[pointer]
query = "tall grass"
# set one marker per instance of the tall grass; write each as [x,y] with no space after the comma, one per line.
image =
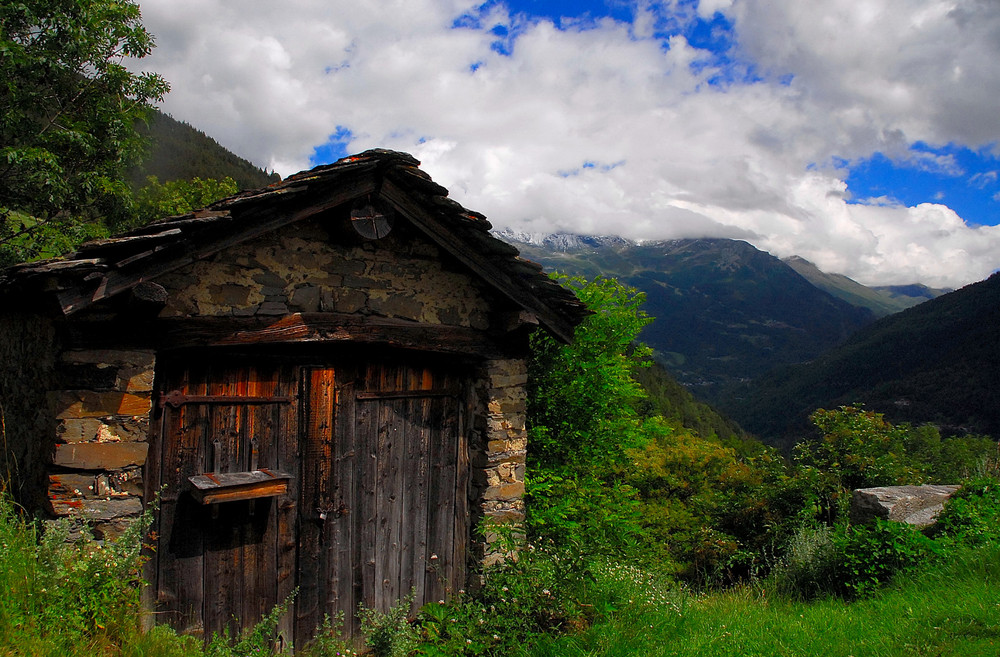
[66,598]
[952,609]
[74,599]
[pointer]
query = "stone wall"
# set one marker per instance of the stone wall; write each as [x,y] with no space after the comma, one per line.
[305,268]
[498,444]
[27,360]
[88,422]
[101,405]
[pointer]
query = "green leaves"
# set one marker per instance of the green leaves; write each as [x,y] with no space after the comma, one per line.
[156,200]
[582,398]
[67,132]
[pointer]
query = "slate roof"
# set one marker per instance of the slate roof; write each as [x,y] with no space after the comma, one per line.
[104,268]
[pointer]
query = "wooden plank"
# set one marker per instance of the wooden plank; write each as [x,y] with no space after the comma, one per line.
[257,490]
[349,519]
[368,438]
[320,328]
[462,530]
[449,488]
[397,549]
[258,593]
[383,507]
[418,453]
[432,578]
[442,501]
[180,585]
[211,488]
[223,556]
[318,431]
[283,424]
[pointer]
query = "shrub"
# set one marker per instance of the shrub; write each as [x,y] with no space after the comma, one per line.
[868,557]
[63,597]
[390,634]
[534,590]
[972,515]
[809,565]
[257,640]
[850,561]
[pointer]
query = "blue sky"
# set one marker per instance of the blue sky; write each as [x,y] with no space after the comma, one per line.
[961,178]
[859,135]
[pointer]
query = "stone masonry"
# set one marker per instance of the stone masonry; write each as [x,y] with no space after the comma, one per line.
[302,269]
[101,410]
[499,447]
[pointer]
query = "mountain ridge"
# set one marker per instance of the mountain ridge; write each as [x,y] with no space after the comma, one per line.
[725,311]
[933,363]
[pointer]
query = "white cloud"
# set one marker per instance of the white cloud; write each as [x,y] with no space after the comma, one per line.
[673,155]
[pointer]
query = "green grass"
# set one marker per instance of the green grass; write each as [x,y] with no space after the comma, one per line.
[950,610]
[82,599]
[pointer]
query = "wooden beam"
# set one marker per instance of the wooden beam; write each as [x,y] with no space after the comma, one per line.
[307,328]
[443,236]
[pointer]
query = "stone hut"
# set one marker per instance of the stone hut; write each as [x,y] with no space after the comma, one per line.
[323,381]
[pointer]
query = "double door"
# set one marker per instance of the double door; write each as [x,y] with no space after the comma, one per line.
[375,506]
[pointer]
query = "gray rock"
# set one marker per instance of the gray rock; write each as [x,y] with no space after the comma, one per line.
[914,505]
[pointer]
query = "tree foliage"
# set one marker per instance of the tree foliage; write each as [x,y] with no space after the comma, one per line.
[70,107]
[582,398]
[583,420]
[608,474]
[157,200]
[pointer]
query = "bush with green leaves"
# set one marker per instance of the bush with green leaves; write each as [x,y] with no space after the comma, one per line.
[75,596]
[972,515]
[389,633]
[583,420]
[850,561]
[531,591]
[258,639]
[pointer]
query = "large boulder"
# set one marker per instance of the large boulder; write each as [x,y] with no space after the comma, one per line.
[914,505]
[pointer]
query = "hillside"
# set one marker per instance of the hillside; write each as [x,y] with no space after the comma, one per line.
[179,151]
[680,408]
[881,300]
[725,311]
[936,362]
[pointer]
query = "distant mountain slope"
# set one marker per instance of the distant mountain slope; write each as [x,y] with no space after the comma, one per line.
[181,152]
[937,362]
[882,301]
[671,400]
[725,312]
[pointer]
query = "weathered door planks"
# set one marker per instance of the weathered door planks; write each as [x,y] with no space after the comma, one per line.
[376,506]
[224,561]
[395,528]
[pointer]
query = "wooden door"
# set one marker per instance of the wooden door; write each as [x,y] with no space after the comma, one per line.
[233,560]
[385,489]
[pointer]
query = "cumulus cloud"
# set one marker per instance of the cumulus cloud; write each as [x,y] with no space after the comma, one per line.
[613,128]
